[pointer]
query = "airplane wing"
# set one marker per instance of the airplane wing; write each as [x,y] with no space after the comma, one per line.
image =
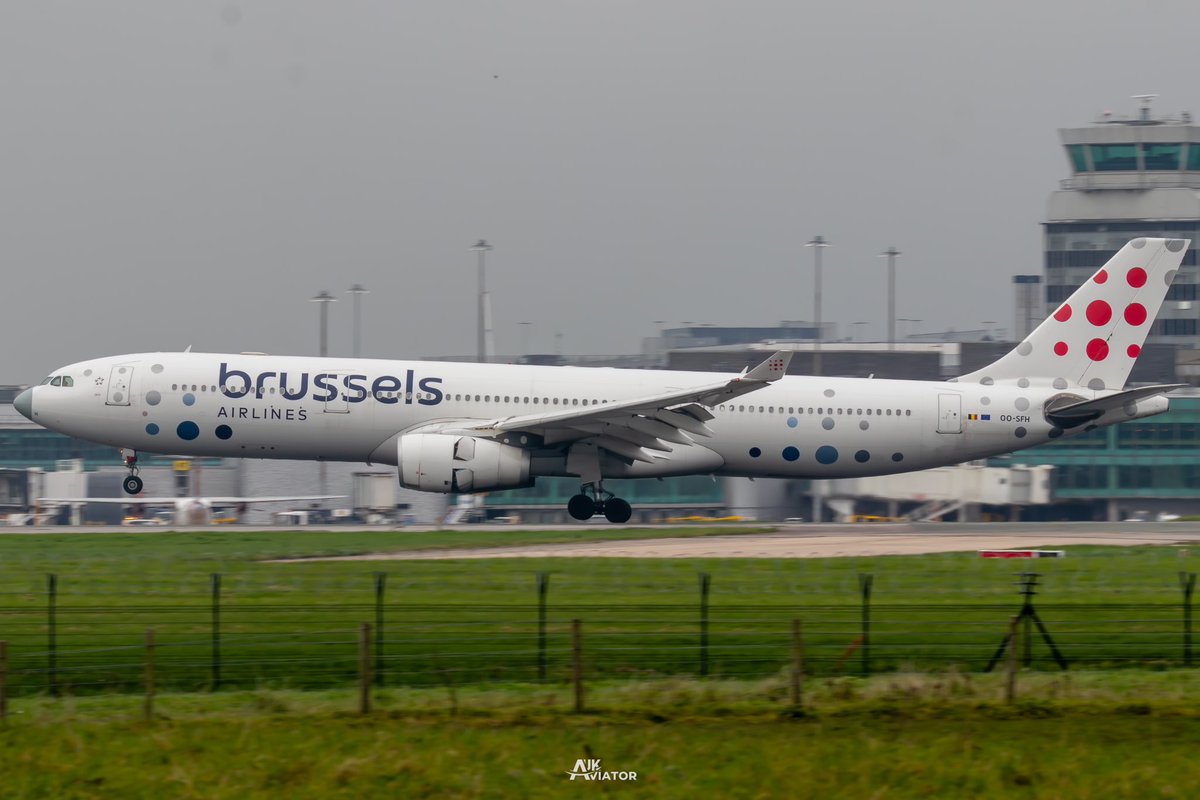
[215,501]
[642,429]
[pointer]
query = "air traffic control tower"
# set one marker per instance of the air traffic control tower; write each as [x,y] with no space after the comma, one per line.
[1130,177]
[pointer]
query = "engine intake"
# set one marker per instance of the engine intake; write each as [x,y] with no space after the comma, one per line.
[442,462]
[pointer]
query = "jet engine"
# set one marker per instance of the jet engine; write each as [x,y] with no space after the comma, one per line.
[442,462]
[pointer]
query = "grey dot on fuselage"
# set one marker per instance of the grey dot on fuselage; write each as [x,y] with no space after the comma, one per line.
[1095,384]
[1022,403]
[1023,383]
[1024,349]
[827,423]
[986,381]
[1060,383]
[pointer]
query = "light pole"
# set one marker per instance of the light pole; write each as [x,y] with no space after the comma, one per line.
[818,244]
[324,298]
[890,254]
[484,331]
[358,290]
[524,337]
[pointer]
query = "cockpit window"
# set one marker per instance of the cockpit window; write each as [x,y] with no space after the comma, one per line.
[57,381]
[68,380]
[45,380]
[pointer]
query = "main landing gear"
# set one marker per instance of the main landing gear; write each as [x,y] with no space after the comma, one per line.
[132,484]
[582,506]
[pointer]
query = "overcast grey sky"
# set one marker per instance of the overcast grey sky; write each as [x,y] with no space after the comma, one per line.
[190,173]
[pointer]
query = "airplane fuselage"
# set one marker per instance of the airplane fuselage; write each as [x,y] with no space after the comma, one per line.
[341,409]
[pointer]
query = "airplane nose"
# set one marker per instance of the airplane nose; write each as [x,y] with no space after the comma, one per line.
[24,404]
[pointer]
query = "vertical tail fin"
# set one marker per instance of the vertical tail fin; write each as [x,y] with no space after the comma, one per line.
[1092,340]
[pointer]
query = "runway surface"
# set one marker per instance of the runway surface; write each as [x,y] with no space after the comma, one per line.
[829,541]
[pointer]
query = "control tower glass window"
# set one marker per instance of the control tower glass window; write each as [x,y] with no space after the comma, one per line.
[1193,162]
[1114,157]
[1162,156]
[1078,157]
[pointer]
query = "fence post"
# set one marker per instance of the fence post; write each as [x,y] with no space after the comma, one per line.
[577,663]
[52,631]
[1187,582]
[543,586]
[3,680]
[864,584]
[705,581]
[797,667]
[148,706]
[364,669]
[1010,679]
[380,583]
[215,593]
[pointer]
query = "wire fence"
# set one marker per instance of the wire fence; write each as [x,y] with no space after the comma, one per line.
[218,640]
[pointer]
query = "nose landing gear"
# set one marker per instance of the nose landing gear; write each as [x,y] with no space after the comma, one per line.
[132,484]
[583,507]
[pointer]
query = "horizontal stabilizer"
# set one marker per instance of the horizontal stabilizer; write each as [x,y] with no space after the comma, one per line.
[1074,414]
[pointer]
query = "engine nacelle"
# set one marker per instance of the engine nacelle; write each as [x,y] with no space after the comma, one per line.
[443,462]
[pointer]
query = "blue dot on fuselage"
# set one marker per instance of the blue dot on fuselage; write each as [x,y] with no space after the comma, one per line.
[827,454]
[188,430]
[189,399]
[152,429]
[793,422]
[755,452]
[862,456]
[790,454]
[224,431]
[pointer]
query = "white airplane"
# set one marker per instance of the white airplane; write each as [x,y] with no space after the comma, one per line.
[458,427]
[184,510]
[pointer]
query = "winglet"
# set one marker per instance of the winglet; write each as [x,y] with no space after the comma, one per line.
[772,369]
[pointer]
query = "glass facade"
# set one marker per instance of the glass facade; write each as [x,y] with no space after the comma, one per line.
[1157,457]
[1162,156]
[1114,157]
[1130,157]
[22,447]
[1078,157]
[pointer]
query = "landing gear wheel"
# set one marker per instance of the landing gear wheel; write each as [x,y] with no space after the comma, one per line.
[617,510]
[581,507]
[132,485]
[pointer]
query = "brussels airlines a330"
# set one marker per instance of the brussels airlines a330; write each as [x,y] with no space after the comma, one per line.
[457,427]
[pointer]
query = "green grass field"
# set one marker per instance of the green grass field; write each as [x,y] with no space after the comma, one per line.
[462,714]
[1091,735]
[475,621]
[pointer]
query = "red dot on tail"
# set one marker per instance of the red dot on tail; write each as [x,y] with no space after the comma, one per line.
[1064,313]
[1097,349]
[1135,313]
[1060,349]
[1099,312]
[1134,351]
[1101,276]
[1136,277]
